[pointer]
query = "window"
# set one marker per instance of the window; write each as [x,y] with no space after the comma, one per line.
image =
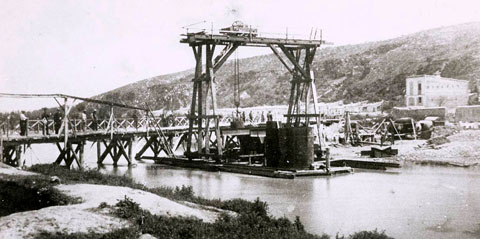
[411,88]
[419,88]
[419,100]
[411,101]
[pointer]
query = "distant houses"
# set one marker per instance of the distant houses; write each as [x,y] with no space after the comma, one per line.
[432,95]
[436,91]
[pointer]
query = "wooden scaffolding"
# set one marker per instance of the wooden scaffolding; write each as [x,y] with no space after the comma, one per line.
[297,57]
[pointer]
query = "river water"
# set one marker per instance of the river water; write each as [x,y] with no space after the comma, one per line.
[412,202]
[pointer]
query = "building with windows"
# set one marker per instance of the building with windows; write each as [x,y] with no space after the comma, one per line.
[436,91]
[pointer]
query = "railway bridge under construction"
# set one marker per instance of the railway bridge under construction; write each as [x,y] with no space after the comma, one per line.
[208,136]
[114,137]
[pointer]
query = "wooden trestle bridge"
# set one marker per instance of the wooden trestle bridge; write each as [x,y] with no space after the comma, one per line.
[204,132]
[114,137]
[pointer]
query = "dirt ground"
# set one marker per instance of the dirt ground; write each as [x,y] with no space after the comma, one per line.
[461,149]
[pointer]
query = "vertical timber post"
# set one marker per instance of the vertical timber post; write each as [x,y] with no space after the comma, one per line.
[208,61]
[65,123]
[81,154]
[112,119]
[18,155]
[200,109]
[197,82]
[212,90]
[1,149]
[130,153]
[99,152]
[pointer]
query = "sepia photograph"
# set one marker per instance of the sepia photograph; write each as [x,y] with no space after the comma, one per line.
[307,119]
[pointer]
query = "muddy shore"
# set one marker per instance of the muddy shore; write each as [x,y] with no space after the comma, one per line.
[459,149]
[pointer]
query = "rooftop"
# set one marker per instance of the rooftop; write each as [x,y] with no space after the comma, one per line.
[434,76]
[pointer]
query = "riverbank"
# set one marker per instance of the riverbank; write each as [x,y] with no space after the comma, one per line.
[92,213]
[116,207]
[451,147]
[457,148]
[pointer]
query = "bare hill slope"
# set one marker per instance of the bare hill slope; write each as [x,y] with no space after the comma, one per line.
[370,71]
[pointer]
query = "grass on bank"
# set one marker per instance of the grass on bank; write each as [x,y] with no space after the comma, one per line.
[19,193]
[183,193]
[252,221]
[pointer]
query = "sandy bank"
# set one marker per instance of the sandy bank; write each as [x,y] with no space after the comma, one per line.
[462,150]
[86,216]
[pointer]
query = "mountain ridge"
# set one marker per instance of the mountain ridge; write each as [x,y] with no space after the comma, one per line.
[370,71]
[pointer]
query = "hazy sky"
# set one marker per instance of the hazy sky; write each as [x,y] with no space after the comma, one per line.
[86,47]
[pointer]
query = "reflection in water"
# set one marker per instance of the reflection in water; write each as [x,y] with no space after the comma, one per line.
[412,202]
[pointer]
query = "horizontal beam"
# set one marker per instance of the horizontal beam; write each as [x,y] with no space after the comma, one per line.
[203,116]
[302,115]
[104,102]
[202,38]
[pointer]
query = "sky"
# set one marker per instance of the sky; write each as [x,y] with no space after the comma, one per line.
[87,47]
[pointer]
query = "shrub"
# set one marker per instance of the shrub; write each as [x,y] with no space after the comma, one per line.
[127,208]
[24,193]
[366,235]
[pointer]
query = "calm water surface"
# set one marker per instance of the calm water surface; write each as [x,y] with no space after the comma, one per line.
[412,202]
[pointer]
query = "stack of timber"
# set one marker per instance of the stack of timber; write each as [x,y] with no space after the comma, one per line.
[378,152]
[366,163]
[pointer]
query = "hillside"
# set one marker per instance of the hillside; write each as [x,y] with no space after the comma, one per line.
[371,71]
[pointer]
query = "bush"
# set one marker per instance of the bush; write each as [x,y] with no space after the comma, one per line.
[84,176]
[126,233]
[366,235]
[24,193]
[127,208]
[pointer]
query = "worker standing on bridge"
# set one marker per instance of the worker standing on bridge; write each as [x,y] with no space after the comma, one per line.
[45,117]
[269,116]
[84,120]
[135,120]
[57,120]
[23,124]
[392,131]
[94,120]
[8,124]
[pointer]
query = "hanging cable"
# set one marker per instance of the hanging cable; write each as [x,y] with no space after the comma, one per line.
[236,86]
[163,138]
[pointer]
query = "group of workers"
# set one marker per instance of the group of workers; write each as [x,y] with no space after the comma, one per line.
[46,119]
[252,116]
[57,121]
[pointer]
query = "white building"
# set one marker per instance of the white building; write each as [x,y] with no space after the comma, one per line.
[436,91]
